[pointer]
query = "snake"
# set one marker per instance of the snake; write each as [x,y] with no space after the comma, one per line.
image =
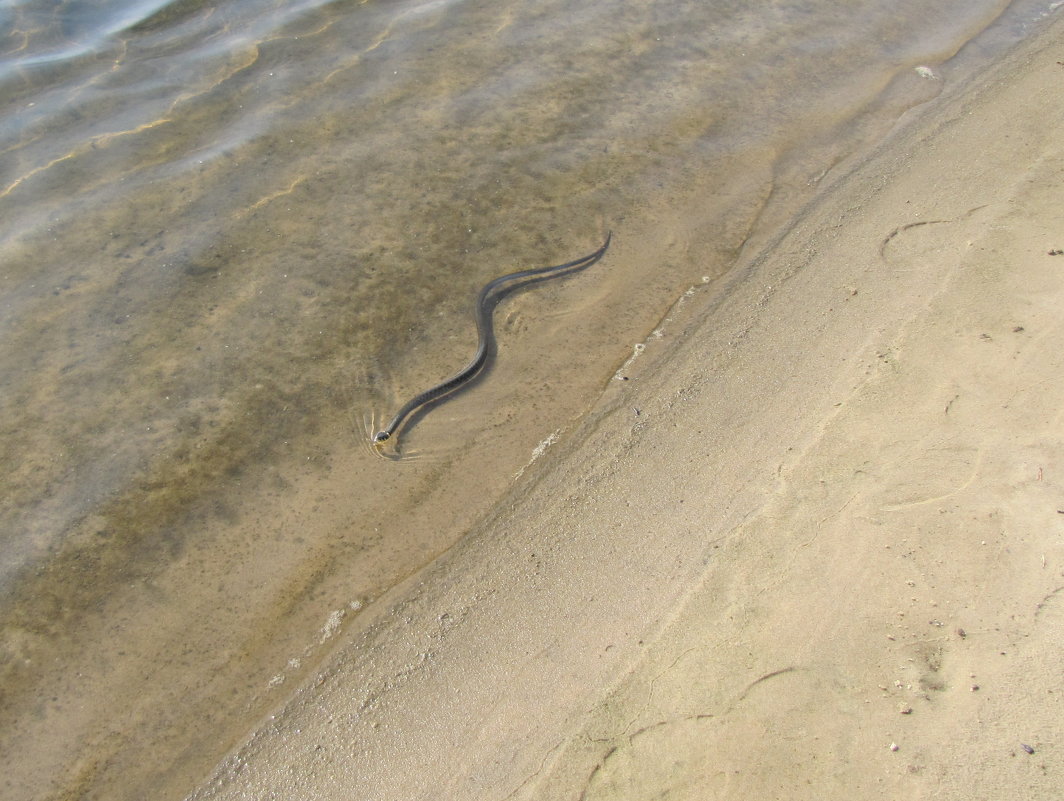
[482,314]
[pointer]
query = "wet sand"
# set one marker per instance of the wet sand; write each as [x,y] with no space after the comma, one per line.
[811,547]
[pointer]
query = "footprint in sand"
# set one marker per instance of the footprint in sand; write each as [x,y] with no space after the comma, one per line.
[908,244]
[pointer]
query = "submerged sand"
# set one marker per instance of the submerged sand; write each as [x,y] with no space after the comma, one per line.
[812,547]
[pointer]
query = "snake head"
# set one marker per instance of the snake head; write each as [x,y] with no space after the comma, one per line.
[381,436]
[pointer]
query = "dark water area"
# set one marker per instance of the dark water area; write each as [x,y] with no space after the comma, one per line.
[235,236]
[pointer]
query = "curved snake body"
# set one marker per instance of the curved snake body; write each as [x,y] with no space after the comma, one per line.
[482,315]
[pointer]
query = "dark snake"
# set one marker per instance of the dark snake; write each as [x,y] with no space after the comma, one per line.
[482,315]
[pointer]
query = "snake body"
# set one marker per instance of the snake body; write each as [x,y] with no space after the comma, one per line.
[482,313]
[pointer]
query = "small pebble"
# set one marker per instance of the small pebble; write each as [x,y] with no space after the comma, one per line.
[1027,748]
[893,746]
[906,710]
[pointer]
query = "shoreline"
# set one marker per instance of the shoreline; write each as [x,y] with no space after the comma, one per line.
[202,341]
[830,564]
[794,564]
[825,578]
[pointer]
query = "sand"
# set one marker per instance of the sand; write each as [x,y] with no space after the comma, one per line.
[812,547]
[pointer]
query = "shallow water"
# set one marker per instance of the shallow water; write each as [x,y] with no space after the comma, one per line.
[233,236]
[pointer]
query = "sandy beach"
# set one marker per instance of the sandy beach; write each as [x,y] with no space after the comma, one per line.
[810,544]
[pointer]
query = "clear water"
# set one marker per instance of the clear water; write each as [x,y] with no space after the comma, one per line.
[233,235]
